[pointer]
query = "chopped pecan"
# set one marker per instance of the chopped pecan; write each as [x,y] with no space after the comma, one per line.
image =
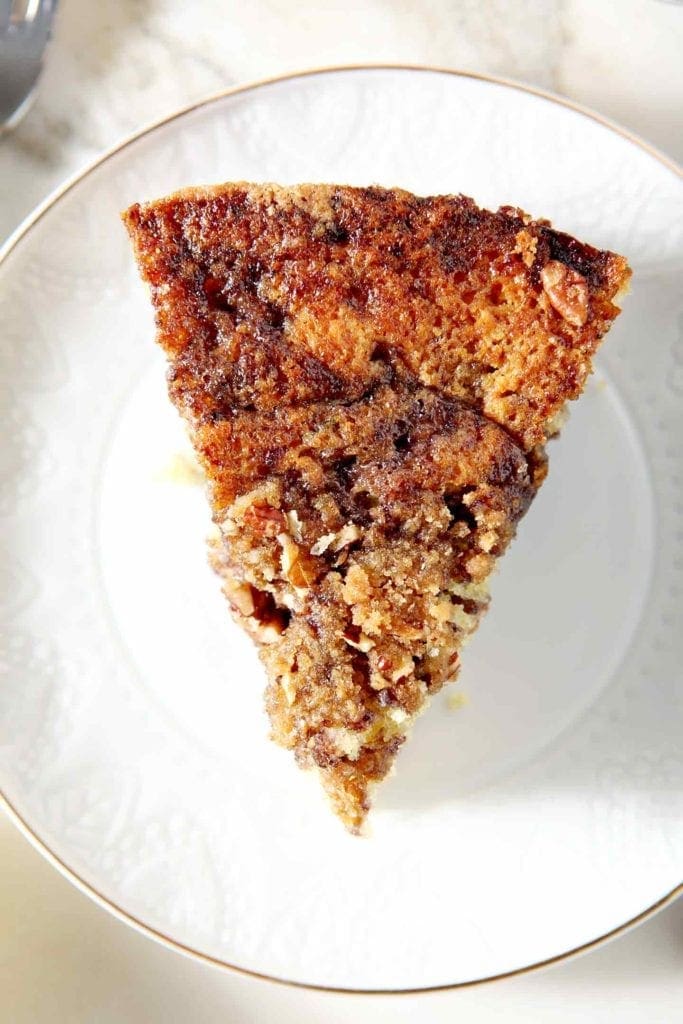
[296,566]
[300,575]
[347,535]
[392,670]
[567,291]
[267,632]
[294,524]
[240,596]
[355,638]
[265,520]
[323,543]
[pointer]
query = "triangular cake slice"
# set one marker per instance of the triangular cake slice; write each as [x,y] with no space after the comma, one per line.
[369,379]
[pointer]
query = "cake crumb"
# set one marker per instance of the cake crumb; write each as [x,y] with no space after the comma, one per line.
[456,700]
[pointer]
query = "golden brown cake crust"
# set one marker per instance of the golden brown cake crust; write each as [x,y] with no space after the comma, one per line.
[369,378]
[311,279]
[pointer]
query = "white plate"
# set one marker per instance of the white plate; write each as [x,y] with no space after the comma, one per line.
[538,817]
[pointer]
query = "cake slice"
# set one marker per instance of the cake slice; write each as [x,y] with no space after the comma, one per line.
[369,379]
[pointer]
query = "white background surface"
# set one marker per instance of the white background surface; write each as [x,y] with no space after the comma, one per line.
[116,65]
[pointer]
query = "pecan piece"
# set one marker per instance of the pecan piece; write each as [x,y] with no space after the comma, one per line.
[296,566]
[567,291]
[240,596]
[266,632]
[265,520]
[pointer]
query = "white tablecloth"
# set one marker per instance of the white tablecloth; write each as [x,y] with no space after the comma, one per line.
[62,959]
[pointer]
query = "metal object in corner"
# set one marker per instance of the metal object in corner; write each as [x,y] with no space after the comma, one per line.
[24,32]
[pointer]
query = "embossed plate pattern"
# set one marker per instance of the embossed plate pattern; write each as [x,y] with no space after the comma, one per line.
[545,811]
